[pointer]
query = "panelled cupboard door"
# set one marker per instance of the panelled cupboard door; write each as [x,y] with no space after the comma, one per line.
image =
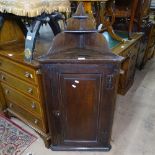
[81,104]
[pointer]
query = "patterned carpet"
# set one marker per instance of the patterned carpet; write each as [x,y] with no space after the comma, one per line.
[13,139]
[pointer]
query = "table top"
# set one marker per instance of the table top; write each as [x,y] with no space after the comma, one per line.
[112,42]
[32,8]
[118,47]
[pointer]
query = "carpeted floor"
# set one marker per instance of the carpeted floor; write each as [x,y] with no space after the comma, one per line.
[134,123]
[13,139]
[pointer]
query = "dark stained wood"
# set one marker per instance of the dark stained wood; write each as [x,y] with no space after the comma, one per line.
[80,86]
[132,18]
[138,12]
[129,67]
[125,10]
[80,104]
[143,11]
[141,53]
[150,49]
[129,50]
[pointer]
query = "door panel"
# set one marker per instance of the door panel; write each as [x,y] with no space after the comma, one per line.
[80,101]
[81,108]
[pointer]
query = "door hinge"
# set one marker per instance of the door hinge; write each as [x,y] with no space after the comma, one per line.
[109,81]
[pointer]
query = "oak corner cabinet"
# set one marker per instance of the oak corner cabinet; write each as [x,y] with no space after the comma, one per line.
[80,86]
[80,99]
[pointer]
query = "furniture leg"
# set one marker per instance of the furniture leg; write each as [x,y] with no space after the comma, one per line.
[1,21]
[108,8]
[54,23]
[31,40]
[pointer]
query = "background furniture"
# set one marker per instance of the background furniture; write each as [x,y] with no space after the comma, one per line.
[130,50]
[150,45]
[118,40]
[20,82]
[123,13]
[20,76]
[30,15]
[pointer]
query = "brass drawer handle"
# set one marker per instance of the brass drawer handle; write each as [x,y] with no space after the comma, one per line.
[36,121]
[30,90]
[7,91]
[33,105]
[28,75]
[3,77]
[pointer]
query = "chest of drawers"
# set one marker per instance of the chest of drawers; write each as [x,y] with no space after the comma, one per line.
[21,91]
[130,50]
[149,37]
[80,103]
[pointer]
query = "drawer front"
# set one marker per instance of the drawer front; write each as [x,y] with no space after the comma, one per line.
[152,42]
[129,67]
[21,100]
[153,31]
[130,50]
[20,85]
[150,52]
[18,70]
[125,53]
[33,120]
